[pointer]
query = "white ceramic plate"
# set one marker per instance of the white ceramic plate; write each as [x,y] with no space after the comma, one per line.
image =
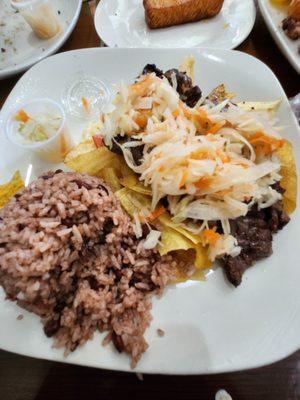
[210,326]
[121,23]
[274,17]
[20,48]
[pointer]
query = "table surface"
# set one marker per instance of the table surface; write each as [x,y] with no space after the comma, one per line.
[27,379]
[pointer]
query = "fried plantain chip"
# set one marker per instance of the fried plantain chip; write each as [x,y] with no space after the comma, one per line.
[188,66]
[289,176]
[173,237]
[178,244]
[202,260]
[219,94]
[173,241]
[109,175]
[183,272]
[269,106]
[132,201]
[86,158]
[10,188]
[166,220]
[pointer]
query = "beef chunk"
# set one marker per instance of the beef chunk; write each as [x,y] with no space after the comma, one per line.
[188,93]
[115,147]
[255,239]
[254,235]
[145,230]
[184,82]
[150,68]
[277,217]
[137,153]
[192,96]
[278,188]
[236,266]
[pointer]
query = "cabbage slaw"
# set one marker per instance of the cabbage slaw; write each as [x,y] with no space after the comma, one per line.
[212,162]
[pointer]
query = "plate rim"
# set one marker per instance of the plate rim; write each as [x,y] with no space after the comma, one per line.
[278,36]
[14,70]
[238,43]
[150,370]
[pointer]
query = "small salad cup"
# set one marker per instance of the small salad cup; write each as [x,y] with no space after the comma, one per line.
[53,149]
[39,14]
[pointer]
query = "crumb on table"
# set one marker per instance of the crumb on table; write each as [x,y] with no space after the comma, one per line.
[20,317]
[160,332]
[140,376]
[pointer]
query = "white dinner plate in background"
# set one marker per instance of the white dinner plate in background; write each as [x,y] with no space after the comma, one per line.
[274,17]
[20,48]
[209,326]
[121,23]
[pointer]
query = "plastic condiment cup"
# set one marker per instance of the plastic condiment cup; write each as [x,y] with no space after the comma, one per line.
[53,149]
[39,14]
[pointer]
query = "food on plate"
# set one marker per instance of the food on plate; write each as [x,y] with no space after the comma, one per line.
[38,127]
[40,16]
[165,184]
[68,253]
[212,171]
[164,13]
[11,188]
[291,24]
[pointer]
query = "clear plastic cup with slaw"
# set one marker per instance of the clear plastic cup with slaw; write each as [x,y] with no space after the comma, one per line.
[40,126]
[39,14]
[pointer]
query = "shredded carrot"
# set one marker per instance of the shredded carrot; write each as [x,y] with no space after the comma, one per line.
[224,158]
[214,129]
[176,112]
[187,114]
[265,144]
[202,155]
[200,120]
[98,140]
[203,183]
[22,116]
[156,213]
[203,119]
[183,178]
[141,120]
[210,237]
[161,168]
[202,113]
[141,88]
[85,104]
[222,193]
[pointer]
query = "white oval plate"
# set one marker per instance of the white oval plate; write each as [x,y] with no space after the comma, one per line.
[209,326]
[22,48]
[273,18]
[121,23]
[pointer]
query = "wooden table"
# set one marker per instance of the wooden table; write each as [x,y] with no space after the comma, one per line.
[24,378]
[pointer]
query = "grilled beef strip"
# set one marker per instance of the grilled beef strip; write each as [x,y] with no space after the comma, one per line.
[254,233]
